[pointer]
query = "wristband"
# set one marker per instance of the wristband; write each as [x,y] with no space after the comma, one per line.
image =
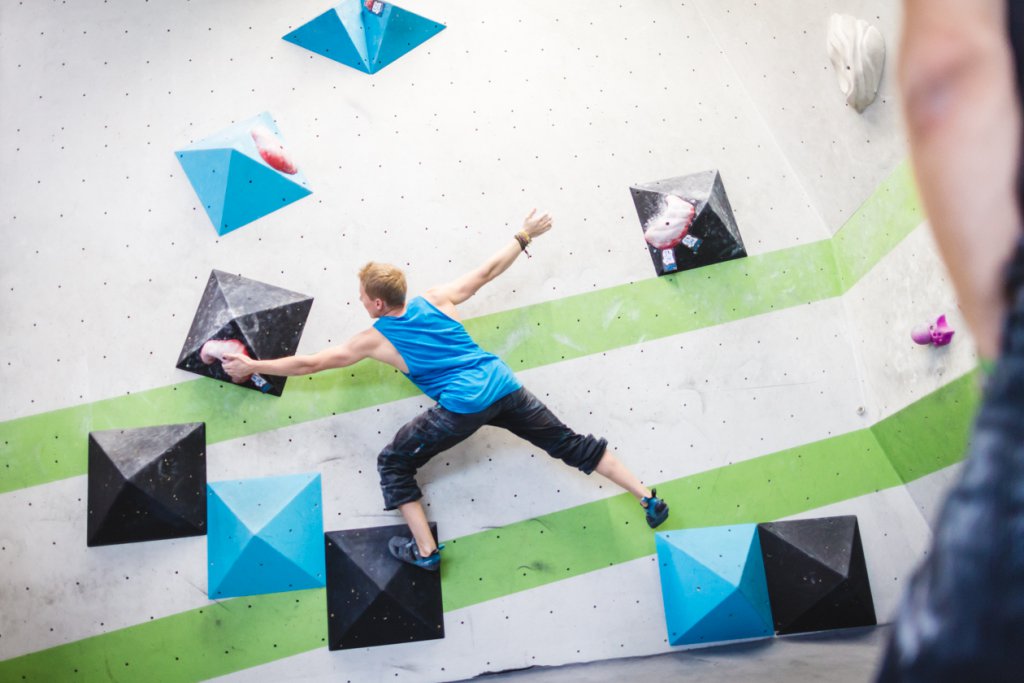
[523,239]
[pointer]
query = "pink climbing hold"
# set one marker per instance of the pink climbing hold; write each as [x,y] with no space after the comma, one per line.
[922,334]
[671,224]
[215,349]
[941,332]
[938,333]
[272,151]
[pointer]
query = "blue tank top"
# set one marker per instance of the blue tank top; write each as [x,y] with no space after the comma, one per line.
[444,361]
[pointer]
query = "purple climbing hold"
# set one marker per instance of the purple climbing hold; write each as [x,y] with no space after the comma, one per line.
[938,333]
[941,332]
[922,334]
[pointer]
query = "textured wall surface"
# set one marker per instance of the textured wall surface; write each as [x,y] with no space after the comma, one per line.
[764,388]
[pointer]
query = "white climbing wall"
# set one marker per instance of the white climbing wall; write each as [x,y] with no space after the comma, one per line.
[431,164]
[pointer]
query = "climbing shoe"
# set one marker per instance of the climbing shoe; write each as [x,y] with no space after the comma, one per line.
[406,550]
[656,509]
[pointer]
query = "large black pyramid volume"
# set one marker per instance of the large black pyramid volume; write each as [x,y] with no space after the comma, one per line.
[147,484]
[374,599]
[267,320]
[817,578]
[687,222]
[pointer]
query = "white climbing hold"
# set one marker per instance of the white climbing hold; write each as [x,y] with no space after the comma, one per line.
[857,51]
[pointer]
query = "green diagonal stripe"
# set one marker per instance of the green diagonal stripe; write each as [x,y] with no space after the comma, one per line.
[246,632]
[878,225]
[50,446]
[926,434]
[190,646]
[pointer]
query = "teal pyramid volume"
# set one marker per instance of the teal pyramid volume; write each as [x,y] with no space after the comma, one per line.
[234,182]
[264,535]
[713,584]
[353,35]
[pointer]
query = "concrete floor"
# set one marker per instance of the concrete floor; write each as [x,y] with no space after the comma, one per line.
[848,656]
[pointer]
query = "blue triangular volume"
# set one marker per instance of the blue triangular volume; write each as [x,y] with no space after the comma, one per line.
[298,532]
[257,501]
[731,619]
[403,32]
[353,35]
[207,170]
[689,589]
[722,549]
[713,584]
[754,584]
[260,568]
[239,137]
[226,537]
[265,535]
[354,17]
[374,26]
[335,34]
[253,191]
[234,182]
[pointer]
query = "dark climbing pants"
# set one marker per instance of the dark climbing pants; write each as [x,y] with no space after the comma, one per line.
[438,429]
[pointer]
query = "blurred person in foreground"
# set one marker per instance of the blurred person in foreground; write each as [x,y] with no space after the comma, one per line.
[962,618]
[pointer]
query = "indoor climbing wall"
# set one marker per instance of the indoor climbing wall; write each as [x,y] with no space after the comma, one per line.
[782,384]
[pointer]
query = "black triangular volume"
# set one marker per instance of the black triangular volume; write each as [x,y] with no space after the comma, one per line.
[164,496]
[695,188]
[105,485]
[245,296]
[847,606]
[274,333]
[414,591]
[177,480]
[803,560]
[648,203]
[361,548]
[386,622]
[827,539]
[715,226]
[372,598]
[350,591]
[130,450]
[213,316]
[275,330]
[795,581]
[718,204]
[850,604]
[267,320]
[713,236]
[135,516]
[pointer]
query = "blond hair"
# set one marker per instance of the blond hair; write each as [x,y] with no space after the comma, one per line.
[383,281]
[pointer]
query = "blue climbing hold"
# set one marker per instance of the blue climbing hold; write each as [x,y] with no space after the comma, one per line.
[264,535]
[364,36]
[242,173]
[713,584]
